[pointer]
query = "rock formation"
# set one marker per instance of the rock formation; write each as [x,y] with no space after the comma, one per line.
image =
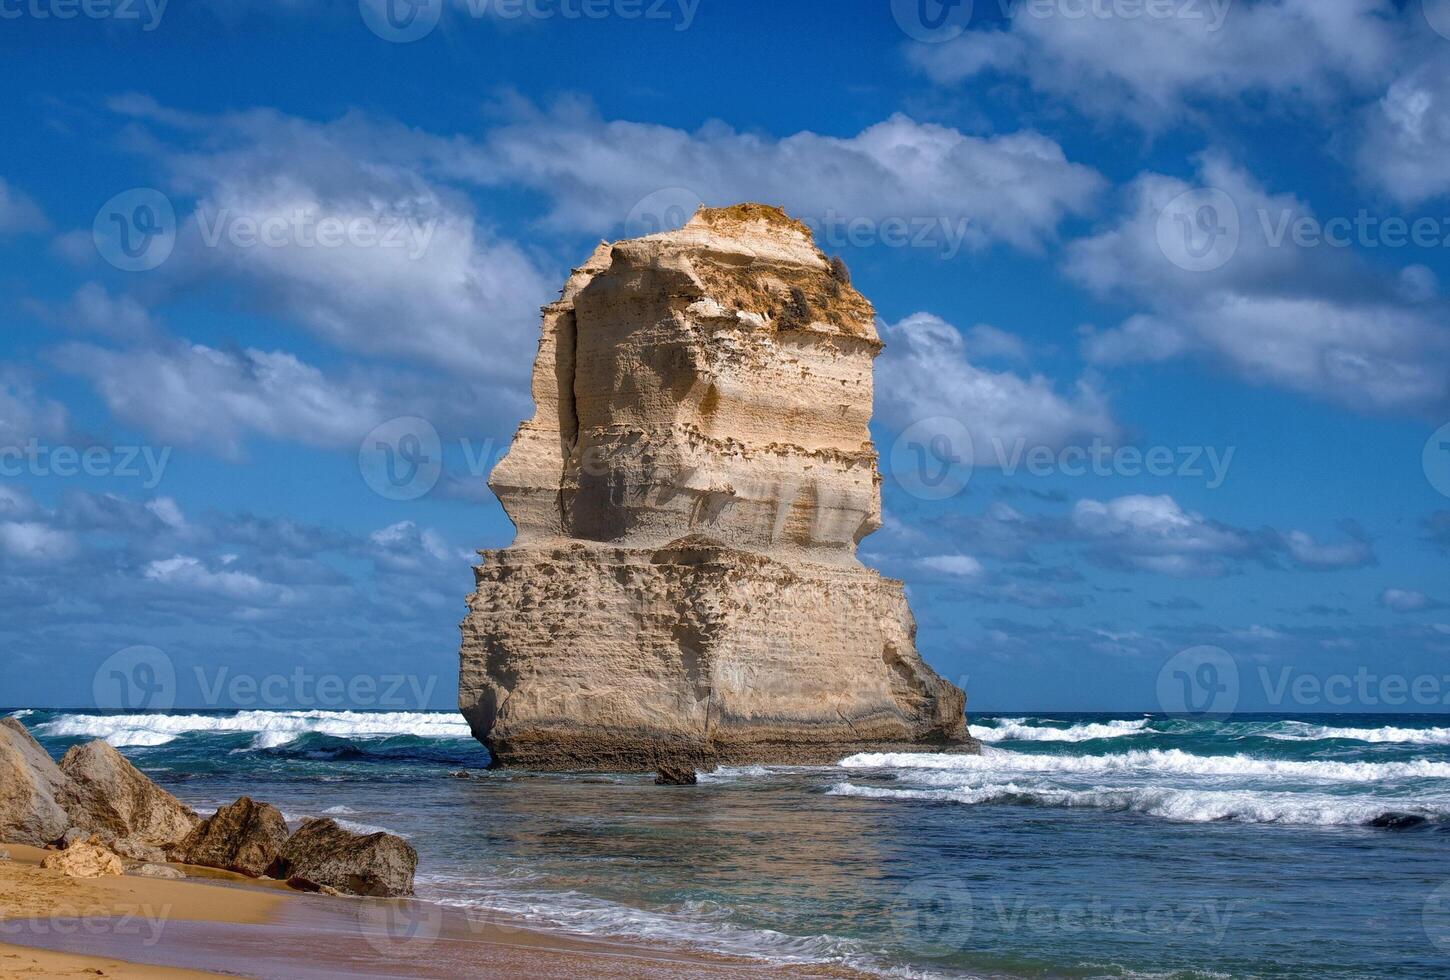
[244,837]
[115,798]
[688,497]
[322,855]
[33,790]
[89,858]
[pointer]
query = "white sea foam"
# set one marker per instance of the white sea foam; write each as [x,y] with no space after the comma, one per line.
[1148,763]
[22,713]
[1021,730]
[1183,805]
[699,925]
[271,728]
[1299,731]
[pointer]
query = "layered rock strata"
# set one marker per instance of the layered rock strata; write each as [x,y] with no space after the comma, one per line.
[684,588]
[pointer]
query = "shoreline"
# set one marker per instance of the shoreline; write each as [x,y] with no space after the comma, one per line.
[214,923]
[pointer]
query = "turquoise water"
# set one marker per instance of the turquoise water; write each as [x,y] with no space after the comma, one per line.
[1075,846]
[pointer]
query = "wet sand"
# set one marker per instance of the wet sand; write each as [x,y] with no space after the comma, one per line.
[132,927]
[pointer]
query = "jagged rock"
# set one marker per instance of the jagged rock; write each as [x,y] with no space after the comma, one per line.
[675,776]
[245,837]
[85,859]
[324,855]
[155,871]
[115,798]
[33,790]
[688,497]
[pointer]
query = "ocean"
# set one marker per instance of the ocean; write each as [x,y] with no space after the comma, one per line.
[1124,845]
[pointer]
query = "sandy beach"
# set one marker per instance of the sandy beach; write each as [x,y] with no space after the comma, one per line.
[212,923]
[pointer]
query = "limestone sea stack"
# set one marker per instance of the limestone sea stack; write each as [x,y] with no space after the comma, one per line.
[683,588]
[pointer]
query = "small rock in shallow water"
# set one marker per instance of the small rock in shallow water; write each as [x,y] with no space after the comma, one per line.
[155,871]
[460,775]
[675,776]
[245,837]
[1397,821]
[323,854]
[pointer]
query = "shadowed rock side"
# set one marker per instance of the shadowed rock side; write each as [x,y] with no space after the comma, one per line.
[683,588]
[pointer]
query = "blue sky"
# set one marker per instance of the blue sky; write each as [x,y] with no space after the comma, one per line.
[1208,235]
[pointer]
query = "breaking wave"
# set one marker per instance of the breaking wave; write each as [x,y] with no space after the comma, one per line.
[1019,730]
[1184,805]
[1149,762]
[271,729]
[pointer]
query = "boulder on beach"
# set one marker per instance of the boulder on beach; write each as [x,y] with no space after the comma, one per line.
[89,858]
[322,855]
[114,796]
[33,790]
[246,837]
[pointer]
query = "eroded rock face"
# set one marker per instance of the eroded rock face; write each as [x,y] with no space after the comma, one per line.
[321,855]
[115,798]
[33,790]
[683,588]
[245,837]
